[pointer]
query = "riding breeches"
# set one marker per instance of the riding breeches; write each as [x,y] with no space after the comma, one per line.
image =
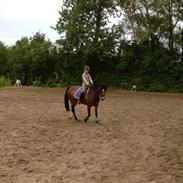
[84,87]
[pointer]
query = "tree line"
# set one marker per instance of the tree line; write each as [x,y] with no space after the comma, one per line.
[143,47]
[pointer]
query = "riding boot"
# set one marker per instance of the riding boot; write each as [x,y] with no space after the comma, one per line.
[80,98]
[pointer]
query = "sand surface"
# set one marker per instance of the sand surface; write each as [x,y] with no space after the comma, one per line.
[139,139]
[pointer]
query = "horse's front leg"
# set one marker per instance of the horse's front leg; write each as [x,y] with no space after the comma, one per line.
[89,113]
[73,111]
[96,114]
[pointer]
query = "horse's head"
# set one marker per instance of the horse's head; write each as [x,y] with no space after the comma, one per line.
[100,90]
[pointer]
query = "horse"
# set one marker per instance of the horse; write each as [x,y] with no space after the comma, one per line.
[94,94]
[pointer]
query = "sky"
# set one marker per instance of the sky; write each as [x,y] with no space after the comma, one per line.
[20,18]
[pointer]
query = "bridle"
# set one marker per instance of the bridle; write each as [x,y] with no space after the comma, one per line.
[102,95]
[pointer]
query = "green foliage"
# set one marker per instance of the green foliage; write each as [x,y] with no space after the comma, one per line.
[4,82]
[3,59]
[85,36]
[51,83]
[144,48]
[37,83]
[32,58]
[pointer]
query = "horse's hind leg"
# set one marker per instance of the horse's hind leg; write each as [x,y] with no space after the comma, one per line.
[73,111]
[89,113]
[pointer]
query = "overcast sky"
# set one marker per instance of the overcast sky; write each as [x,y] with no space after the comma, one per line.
[19,18]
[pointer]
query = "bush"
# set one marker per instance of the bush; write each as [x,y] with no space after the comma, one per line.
[51,83]
[37,83]
[4,82]
[110,79]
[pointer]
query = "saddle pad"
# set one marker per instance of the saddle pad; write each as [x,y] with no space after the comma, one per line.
[78,93]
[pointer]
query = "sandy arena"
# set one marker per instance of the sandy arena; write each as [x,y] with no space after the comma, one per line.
[139,138]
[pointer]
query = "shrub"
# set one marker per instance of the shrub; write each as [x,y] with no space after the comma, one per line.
[51,83]
[4,82]
[37,83]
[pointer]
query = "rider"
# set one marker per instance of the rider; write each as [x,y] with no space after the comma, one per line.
[87,81]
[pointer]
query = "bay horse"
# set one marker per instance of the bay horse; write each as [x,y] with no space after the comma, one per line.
[92,97]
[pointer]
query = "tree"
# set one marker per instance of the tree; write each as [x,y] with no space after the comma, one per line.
[154,20]
[85,34]
[31,59]
[172,11]
[19,60]
[3,59]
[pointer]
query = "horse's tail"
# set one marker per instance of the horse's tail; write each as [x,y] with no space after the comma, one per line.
[66,100]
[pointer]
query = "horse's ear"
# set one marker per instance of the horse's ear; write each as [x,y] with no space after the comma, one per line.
[101,86]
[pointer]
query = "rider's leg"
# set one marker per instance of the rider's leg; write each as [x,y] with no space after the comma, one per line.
[82,93]
[81,97]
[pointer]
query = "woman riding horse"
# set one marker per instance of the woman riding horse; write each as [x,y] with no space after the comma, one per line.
[87,82]
[93,95]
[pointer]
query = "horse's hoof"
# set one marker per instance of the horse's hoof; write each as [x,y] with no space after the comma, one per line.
[70,117]
[97,122]
[85,120]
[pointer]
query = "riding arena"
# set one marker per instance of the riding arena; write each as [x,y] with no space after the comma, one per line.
[138,138]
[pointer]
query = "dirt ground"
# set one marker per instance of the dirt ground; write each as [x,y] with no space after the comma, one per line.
[139,138]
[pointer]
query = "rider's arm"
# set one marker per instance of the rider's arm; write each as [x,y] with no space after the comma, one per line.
[91,81]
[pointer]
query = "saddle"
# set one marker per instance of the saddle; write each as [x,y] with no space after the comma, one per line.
[78,93]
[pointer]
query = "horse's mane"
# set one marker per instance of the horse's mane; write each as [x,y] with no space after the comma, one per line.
[95,86]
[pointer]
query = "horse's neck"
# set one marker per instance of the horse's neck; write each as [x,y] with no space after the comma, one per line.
[94,92]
